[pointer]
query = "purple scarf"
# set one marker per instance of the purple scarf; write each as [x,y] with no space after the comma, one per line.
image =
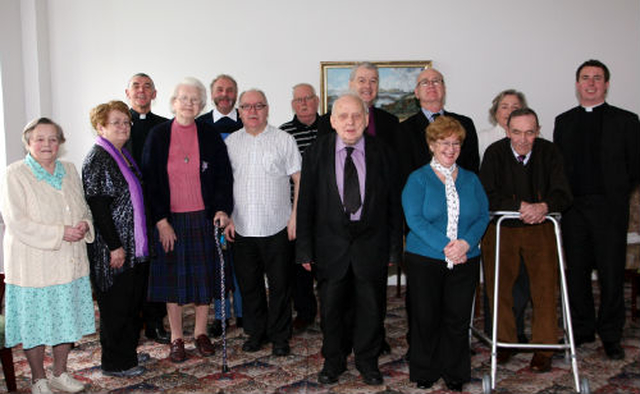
[135,190]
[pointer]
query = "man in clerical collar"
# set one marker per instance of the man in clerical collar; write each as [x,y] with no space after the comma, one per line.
[224,115]
[140,92]
[600,145]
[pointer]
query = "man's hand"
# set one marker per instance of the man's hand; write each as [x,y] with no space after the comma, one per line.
[230,231]
[221,219]
[533,213]
[307,266]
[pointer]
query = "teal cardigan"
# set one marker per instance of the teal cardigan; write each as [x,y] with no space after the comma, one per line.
[425,209]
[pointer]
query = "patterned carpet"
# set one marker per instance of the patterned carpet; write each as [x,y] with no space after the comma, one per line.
[262,373]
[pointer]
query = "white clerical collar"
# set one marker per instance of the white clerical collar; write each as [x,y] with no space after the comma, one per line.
[233,115]
[590,109]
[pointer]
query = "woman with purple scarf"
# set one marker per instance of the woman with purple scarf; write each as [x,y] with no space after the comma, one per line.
[112,185]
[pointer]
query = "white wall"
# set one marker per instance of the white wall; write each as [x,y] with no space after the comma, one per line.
[481,47]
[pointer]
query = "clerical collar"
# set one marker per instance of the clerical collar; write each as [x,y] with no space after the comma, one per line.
[590,109]
[430,114]
[233,115]
[137,115]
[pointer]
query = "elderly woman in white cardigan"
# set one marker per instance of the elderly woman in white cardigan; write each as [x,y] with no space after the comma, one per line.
[48,223]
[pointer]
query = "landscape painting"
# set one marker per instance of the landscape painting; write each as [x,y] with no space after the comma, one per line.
[396,85]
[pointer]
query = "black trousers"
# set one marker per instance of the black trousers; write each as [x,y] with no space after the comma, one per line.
[253,258]
[120,308]
[352,313]
[304,297]
[595,237]
[441,301]
[153,313]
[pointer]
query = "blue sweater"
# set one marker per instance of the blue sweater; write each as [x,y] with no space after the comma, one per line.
[425,209]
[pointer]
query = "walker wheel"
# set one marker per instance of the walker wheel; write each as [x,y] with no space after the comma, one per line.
[584,386]
[486,384]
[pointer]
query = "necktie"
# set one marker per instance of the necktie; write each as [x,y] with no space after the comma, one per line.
[371,128]
[434,117]
[351,197]
[521,159]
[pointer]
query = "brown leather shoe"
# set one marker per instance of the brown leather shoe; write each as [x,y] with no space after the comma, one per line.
[504,355]
[540,363]
[204,346]
[177,354]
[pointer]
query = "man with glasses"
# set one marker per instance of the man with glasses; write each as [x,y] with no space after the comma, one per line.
[264,159]
[600,145]
[524,173]
[140,92]
[411,142]
[304,128]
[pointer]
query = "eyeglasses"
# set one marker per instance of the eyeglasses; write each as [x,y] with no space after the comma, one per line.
[430,82]
[448,144]
[257,107]
[117,123]
[300,100]
[188,100]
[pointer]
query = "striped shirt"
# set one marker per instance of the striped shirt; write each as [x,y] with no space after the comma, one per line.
[304,135]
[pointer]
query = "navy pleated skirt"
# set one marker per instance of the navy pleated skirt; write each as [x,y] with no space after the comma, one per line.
[191,272]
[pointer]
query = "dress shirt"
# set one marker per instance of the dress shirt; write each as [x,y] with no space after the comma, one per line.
[217,115]
[358,158]
[430,114]
[526,157]
[262,166]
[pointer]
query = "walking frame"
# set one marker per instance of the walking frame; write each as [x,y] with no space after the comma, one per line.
[489,381]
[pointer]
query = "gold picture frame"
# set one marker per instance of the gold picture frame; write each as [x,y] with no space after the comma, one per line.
[396,85]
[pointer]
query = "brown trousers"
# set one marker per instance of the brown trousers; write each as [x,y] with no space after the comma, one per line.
[536,246]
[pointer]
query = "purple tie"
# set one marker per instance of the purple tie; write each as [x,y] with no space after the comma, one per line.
[521,159]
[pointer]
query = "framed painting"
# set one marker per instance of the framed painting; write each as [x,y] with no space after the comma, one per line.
[395,89]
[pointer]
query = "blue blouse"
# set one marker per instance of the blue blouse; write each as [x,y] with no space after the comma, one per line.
[425,209]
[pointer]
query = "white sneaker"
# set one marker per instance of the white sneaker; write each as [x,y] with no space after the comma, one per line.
[65,382]
[41,386]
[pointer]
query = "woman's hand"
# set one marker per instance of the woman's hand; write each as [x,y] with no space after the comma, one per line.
[167,235]
[73,234]
[117,258]
[221,219]
[456,251]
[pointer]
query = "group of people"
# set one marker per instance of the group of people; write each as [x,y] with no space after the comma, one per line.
[321,198]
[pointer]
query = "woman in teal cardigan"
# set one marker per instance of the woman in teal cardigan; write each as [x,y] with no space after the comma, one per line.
[447,212]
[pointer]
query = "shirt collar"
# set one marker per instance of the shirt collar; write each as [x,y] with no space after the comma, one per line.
[430,114]
[590,109]
[516,154]
[358,146]
[233,115]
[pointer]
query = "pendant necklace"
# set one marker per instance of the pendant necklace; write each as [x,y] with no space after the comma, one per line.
[181,146]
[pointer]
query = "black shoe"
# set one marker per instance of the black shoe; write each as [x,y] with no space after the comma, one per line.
[299,324]
[454,386]
[326,376]
[157,333]
[239,322]
[407,356]
[372,378]
[216,328]
[582,339]
[424,384]
[385,348]
[281,350]
[613,350]
[252,345]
